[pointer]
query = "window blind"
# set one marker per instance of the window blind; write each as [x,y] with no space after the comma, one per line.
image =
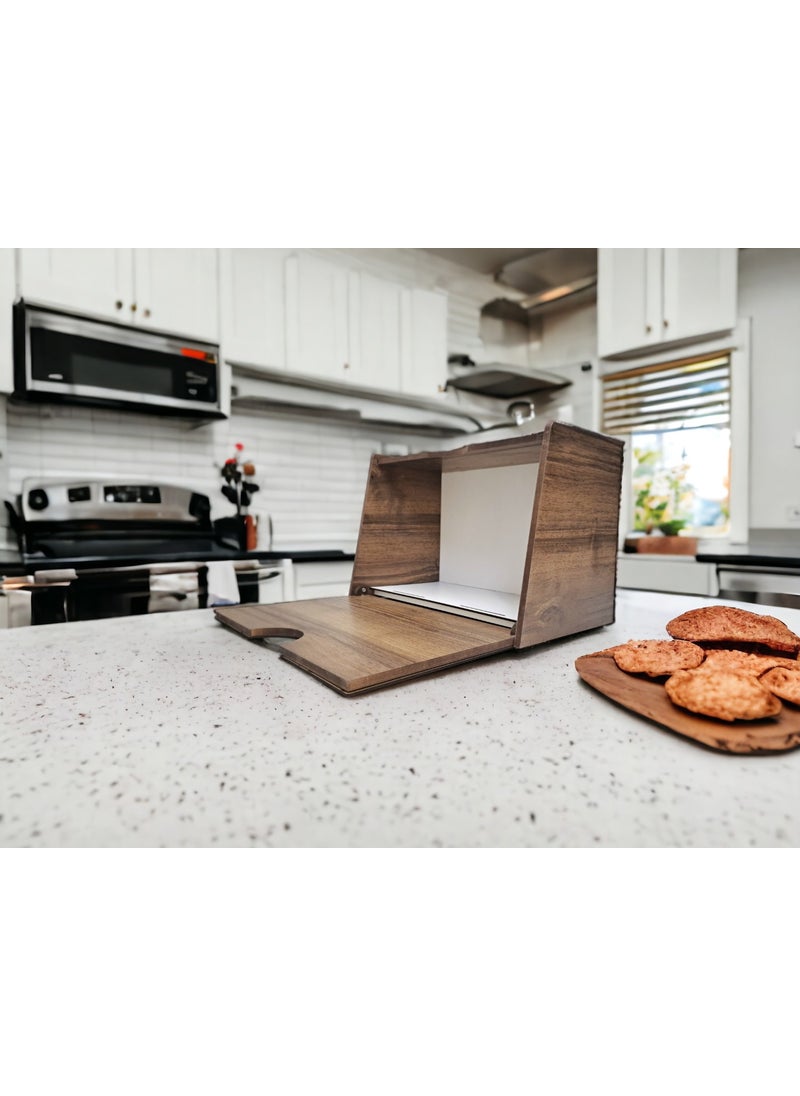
[674,396]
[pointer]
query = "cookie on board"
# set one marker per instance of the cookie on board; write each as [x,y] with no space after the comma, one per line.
[727,624]
[722,694]
[657,657]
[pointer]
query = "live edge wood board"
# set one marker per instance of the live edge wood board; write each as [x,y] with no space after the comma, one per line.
[568,521]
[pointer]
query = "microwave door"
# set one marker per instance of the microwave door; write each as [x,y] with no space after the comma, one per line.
[99,363]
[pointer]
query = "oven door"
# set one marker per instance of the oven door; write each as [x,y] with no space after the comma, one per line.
[73,359]
[59,596]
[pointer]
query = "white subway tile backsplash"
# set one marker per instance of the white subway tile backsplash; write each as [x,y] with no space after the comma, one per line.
[311,473]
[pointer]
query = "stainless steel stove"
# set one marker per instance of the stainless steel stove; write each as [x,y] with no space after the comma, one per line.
[118,545]
[113,517]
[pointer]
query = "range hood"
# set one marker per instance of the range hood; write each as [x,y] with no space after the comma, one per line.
[550,279]
[256,389]
[499,380]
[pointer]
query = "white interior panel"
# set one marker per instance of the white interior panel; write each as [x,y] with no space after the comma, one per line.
[485,525]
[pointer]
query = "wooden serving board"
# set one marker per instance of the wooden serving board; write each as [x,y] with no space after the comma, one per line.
[647,697]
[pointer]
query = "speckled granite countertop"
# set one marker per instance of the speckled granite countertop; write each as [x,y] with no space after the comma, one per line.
[171,730]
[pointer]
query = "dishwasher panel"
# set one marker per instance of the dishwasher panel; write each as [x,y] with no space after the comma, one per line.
[764,586]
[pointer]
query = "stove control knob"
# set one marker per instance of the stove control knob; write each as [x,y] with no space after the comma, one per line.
[37,499]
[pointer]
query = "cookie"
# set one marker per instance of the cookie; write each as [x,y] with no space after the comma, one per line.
[726,658]
[784,683]
[657,657]
[722,694]
[727,624]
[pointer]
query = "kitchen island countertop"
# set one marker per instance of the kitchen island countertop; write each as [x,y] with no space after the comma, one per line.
[170,730]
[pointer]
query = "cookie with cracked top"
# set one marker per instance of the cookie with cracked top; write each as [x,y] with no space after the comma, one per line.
[727,624]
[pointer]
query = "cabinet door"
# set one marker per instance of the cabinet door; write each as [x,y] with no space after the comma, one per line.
[177,289]
[374,307]
[252,306]
[424,343]
[699,292]
[93,280]
[628,299]
[6,340]
[317,318]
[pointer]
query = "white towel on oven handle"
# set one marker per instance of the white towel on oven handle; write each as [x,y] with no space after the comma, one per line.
[223,588]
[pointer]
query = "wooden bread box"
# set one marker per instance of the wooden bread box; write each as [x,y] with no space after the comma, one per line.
[461,554]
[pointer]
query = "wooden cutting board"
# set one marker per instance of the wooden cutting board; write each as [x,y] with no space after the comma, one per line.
[355,644]
[647,697]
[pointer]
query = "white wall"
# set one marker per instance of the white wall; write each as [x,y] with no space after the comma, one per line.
[769,293]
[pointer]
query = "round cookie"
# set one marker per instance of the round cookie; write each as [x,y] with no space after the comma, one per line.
[722,694]
[783,682]
[657,657]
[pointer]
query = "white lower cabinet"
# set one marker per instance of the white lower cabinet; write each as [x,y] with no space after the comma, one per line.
[302,581]
[668,575]
[327,579]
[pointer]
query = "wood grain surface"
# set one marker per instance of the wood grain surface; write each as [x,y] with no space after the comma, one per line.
[571,568]
[647,697]
[355,644]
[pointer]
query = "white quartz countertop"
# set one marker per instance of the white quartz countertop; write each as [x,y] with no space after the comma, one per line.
[171,730]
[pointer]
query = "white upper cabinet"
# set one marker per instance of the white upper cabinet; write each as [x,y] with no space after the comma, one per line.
[317,318]
[177,289]
[253,310]
[356,328]
[94,280]
[375,342]
[165,289]
[650,297]
[424,342]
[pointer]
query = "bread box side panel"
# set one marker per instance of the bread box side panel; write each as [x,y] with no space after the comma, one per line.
[398,541]
[571,570]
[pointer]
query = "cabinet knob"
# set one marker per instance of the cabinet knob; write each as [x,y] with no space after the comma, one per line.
[133,308]
[666,323]
[347,365]
[648,327]
[118,305]
[146,312]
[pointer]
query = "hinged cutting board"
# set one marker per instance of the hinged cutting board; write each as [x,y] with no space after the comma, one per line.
[358,643]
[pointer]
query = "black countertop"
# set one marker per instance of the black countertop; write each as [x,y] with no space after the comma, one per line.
[12,564]
[765,548]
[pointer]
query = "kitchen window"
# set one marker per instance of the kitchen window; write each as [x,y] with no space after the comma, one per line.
[675,418]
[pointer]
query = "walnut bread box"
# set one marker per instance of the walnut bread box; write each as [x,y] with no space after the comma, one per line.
[462,554]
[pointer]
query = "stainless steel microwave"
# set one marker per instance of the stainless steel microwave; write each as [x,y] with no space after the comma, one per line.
[66,358]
